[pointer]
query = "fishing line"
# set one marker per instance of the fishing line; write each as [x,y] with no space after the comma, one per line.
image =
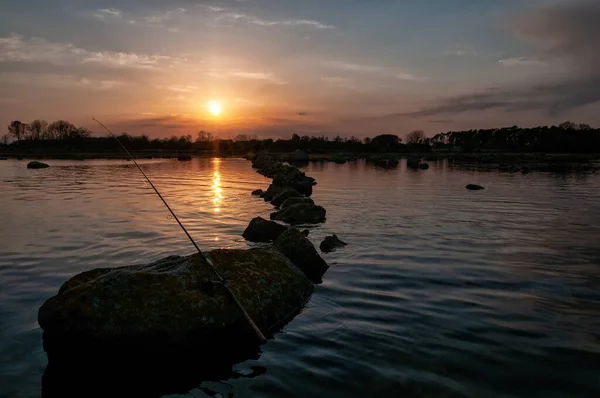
[221,281]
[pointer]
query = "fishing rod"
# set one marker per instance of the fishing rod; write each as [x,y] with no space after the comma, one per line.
[221,280]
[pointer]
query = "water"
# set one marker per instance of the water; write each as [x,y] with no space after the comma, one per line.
[440,292]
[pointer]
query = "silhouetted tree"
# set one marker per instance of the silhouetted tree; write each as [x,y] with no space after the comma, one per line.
[37,129]
[415,137]
[17,129]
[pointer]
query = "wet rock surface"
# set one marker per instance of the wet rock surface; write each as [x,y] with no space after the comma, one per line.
[257,192]
[284,195]
[330,243]
[302,253]
[261,230]
[300,213]
[295,200]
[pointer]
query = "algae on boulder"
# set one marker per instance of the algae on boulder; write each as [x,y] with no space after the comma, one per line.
[303,254]
[171,307]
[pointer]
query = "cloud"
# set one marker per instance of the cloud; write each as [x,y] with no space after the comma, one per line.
[164,16]
[54,81]
[373,69]
[258,76]
[17,48]
[182,89]
[106,13]
[566,32]
[463,52]
[522,61]
[251,19]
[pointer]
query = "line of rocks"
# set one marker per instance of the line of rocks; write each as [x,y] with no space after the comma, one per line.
[290,193]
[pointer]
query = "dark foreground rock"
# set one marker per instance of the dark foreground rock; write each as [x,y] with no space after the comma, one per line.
[284,195]
[423,166]
[261,230]
[295,200]
[473,187]
[271,192]
[37,165]
[300,213]
[184,158]
[303,254]
[330,243]
[258,192]
[156,317]
[413,163]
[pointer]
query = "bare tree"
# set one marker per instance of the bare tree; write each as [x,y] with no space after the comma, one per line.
[204,136]
[37,129]
[415,137]
[4,139]
[241,137]
[17,129]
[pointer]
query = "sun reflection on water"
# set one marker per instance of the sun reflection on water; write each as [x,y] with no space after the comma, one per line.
[216,186]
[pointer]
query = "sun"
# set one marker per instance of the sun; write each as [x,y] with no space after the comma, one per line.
[215,107]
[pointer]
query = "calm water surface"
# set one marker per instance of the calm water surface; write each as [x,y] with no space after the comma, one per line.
[441,292]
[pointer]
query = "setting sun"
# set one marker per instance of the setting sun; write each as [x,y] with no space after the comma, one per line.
[215,107]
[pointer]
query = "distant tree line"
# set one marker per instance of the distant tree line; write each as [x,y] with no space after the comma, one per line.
[61,135]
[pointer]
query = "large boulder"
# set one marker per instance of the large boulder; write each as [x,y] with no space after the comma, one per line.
[295,200]
[300,213]
[330,243]
[285,194]
[171,309]
[37,165]
[261,230]
[303,254]
[413,163]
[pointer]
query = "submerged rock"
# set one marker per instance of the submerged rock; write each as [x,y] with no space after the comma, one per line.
[284,195]
[183,158]
[295,200]
[261,230]
[258,192]
[423,166]
[300,213]
[37,165]
[330,243]
[473,187]
[169,312]
[303,254]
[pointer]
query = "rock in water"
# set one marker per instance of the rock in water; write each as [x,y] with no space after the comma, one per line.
[292,201]
[145,314]
[271,192]
[330,243]
[300,213]
[473,187]
[303,254]
[285,194]
[37,165]
[423,166]
[258,192]
[261,230]
[184,158]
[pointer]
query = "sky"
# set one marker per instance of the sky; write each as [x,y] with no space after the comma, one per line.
[277,67]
